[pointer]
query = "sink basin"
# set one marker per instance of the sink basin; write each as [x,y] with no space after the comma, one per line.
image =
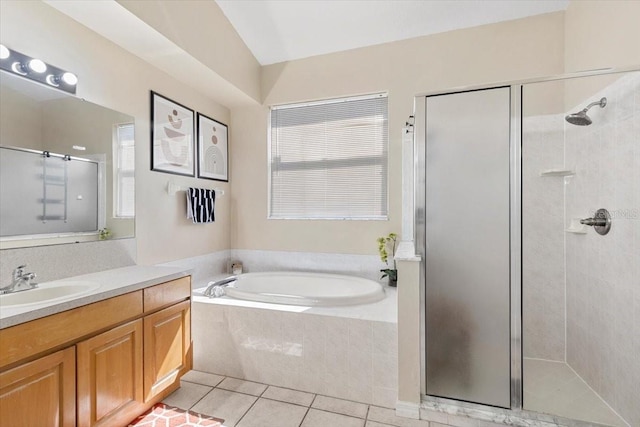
[49,292]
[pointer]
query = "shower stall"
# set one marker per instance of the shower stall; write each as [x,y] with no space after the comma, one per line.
[527,218]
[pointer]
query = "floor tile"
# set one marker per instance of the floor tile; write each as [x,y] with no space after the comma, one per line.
[225,404]
[203,378]
[316,418]
[288,395]
[388,416]
[344,407]
[554,388]
[377,424]
[187,395]
[267,412]
[242,386]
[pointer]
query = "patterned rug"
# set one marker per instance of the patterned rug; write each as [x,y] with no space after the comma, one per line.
[161,415]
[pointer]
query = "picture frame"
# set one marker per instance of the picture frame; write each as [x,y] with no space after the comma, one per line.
[213,149]
[172,136]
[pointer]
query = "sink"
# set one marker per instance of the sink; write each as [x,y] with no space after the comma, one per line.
[49,292]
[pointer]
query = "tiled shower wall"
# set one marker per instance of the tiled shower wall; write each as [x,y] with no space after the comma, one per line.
[543,292]
[603,272]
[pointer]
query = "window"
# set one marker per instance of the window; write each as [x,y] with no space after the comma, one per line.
[124,171]
[328,159]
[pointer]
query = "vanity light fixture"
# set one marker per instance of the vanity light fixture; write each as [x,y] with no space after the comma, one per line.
[37,70]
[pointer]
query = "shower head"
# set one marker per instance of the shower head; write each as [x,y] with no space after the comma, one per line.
[581,118]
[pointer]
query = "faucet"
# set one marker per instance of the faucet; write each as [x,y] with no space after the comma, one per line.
[21,281]
[216,289]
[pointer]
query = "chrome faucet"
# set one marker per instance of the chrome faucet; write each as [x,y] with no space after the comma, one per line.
[216,289]
[21,281]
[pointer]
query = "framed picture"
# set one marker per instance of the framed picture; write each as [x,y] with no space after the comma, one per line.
[213,149]
[172,136]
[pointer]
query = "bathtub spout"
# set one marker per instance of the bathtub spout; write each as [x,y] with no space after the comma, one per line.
[216,289]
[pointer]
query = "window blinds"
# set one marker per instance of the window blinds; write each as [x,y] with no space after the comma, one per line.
[328,160]
[125,171]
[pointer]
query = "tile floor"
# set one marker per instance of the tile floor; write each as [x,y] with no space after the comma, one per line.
[248,404]
[554,388]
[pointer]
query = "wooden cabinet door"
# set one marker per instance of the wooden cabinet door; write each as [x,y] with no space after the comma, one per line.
[167,349]
[110,377]
[41,392]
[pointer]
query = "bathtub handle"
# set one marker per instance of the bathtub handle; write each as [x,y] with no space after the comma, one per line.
[215,289]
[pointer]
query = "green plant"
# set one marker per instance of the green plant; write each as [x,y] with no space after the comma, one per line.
[383,244]
[104,233]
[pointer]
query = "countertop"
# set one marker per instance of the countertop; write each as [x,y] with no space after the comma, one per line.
[111,284]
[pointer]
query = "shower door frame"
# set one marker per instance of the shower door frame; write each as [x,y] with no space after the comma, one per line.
[515,222]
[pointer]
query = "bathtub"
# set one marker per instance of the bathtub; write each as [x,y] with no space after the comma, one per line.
[326,334]
[303,288]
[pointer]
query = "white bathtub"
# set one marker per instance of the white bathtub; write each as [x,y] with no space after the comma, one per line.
[308,289]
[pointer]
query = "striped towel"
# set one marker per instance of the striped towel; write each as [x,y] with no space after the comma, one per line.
[201,204]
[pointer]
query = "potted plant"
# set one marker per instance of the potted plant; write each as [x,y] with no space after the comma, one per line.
[391,273]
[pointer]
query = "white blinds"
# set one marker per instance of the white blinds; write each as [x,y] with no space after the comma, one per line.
[125,171]
[328,160]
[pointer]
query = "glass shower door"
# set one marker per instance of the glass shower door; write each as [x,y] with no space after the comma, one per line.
[467,274]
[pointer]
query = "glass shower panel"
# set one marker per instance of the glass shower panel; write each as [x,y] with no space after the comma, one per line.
[581,153]
[467,246]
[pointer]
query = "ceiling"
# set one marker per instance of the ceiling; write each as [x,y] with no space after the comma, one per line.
[284,30]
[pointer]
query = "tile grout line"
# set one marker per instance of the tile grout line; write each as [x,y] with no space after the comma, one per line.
[307,411]
[198,401]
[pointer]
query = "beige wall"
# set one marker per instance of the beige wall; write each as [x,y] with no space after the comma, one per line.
[599,34]
[20,121]
[510,50]
[112,77]
[201,29]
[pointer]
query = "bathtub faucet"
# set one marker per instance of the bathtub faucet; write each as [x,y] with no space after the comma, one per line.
[216,289]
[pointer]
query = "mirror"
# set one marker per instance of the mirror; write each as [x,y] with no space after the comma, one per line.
[66,167]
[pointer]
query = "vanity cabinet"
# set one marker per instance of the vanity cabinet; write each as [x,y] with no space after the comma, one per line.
[110,376]
[102,364]
[167,348]
[41,392]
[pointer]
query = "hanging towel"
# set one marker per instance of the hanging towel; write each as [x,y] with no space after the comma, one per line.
[201,204]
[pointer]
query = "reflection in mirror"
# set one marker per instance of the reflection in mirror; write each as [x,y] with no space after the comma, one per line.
[66,167]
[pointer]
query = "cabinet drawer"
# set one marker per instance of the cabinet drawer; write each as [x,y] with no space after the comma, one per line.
[166,294]
[40,335]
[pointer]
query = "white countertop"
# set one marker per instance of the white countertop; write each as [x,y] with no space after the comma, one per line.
[111,283]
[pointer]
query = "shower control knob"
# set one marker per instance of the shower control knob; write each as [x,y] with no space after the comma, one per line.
[593,221]
[601,221]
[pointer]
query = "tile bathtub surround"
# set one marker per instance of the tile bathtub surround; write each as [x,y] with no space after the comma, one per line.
[204,267]
[346,358]
[367,266]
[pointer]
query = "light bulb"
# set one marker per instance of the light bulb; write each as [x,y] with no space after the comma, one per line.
[37,66]
[70,78]
[4,52]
